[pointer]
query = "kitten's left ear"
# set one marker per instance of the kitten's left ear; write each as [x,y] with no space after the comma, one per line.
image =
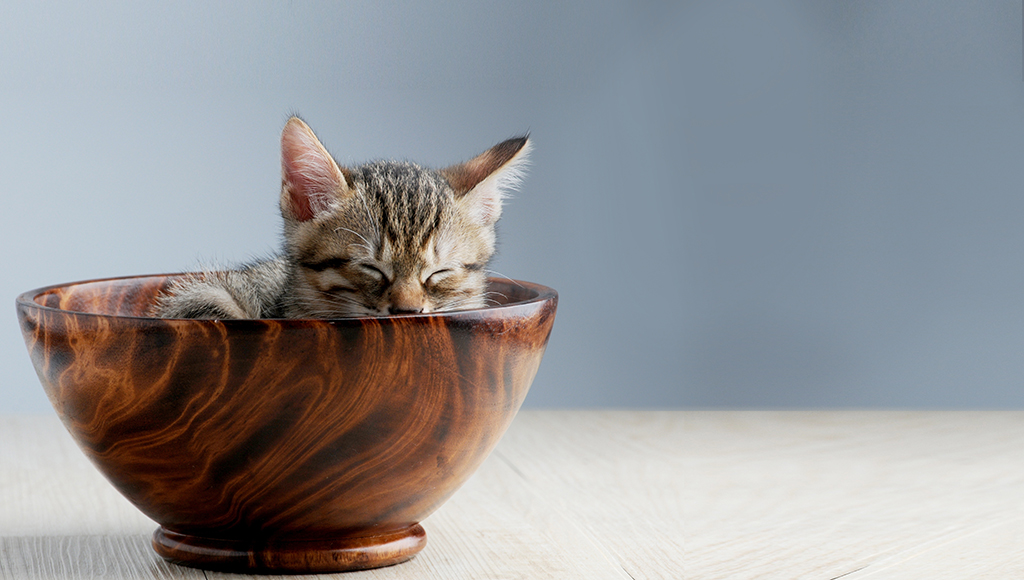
[482,183]
[310,179]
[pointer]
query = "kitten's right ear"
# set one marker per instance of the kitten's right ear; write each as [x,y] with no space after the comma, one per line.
[482,183]
[311,181]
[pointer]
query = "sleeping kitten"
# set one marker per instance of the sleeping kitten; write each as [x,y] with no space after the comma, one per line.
[381,238]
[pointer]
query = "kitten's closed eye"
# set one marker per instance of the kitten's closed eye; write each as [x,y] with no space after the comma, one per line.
[326,264]
[438,275]
[374,272]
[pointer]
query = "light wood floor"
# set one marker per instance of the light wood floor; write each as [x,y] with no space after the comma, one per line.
[623,494]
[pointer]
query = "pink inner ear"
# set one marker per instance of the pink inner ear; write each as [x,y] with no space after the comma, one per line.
[300,206]
[310,175]
[307,190]
[485,200]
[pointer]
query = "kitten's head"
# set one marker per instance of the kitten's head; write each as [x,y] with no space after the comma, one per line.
[389,237]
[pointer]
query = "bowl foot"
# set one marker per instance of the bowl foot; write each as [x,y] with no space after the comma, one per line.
[290,556]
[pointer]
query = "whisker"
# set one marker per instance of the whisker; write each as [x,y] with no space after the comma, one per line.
[368,249]
[369,218]
[330,305]
[457,304]
[367,243]
[500,275]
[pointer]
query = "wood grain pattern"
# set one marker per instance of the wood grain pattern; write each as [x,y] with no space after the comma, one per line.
[253,440]
[574,495]
[874,494]
[618,477]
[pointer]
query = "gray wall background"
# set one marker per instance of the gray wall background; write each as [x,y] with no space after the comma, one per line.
[782,204]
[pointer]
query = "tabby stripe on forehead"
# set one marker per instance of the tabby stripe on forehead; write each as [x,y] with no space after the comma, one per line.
[325,264]
[385,216]
[429,225]
[379,188]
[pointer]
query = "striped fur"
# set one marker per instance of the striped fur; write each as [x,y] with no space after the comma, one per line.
[381,238]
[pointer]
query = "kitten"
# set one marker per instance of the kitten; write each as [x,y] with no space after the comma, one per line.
[382,238]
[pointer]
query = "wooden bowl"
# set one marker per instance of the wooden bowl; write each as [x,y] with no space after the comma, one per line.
[283,445]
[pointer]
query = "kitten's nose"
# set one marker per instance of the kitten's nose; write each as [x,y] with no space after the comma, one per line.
[406,298]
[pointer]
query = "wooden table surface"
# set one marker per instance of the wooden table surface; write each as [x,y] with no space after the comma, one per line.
[622,494]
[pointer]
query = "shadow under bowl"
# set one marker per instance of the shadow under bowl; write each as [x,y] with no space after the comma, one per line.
[283,445]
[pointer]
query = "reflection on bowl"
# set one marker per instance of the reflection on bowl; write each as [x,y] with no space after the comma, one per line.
[283,445]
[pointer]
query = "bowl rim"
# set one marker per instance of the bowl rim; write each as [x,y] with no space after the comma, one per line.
[542,295]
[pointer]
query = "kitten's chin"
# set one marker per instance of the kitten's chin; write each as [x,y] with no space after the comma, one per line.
[462,305]
[356,312]
[327,309]
[334,308]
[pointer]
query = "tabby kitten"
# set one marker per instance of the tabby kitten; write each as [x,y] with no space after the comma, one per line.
[382,238]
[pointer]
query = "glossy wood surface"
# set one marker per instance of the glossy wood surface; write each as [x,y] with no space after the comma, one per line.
[261,433]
